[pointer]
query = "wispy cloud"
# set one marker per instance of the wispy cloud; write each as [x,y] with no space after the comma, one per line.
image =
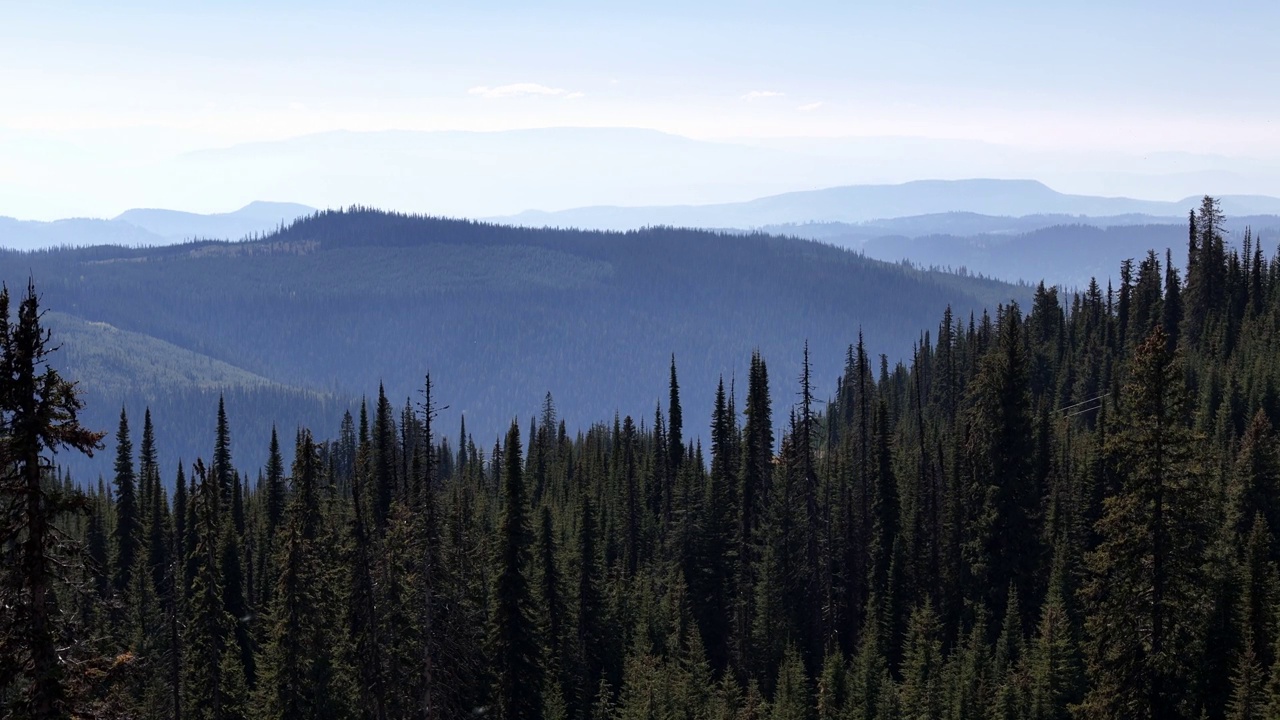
[761,95]
[522,90]
[810,107]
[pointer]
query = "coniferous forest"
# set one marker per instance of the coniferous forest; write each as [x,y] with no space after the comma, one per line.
[1067,510]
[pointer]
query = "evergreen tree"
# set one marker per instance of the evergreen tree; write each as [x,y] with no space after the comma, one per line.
[39,415]
[514,642]
[275,485]
[756,469]
[213,679]
[383,459]
[1055,669]
[301,674]
[675,426]
[127,529]
[922,691]
[1002,534]
[792,699]
[555,613]
[1145,592]
[590,608]
[223,471]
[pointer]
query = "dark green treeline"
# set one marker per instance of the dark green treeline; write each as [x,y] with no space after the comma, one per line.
[1067,510]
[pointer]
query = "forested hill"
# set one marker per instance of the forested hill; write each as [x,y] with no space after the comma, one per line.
[327,308]
[1064,510]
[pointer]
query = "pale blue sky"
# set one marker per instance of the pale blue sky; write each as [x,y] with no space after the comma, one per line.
[95,86]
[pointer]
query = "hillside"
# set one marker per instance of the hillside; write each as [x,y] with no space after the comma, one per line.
[341,301]
[122,368]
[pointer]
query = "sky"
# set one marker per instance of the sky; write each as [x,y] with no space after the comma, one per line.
[93,91]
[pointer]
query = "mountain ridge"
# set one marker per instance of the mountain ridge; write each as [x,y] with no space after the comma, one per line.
[341,301]
[846,203]
[149,226]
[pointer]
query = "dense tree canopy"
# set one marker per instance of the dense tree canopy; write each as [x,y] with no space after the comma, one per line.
[1059,512]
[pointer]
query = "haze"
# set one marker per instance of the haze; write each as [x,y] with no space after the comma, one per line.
[132,105]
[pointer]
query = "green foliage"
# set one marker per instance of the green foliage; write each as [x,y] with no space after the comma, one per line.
[515,645]
[1067,514]
[300,323]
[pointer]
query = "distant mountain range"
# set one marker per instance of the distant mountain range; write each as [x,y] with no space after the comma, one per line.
[867,203]
[1007,229]
[141,227]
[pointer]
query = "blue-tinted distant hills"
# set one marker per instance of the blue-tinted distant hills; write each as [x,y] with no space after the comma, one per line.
[1058,249]
[256,218]
[142,227]
[1007,229]
[866,203]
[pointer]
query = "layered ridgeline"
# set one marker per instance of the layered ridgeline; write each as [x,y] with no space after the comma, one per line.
[315,315]
[1064,509]
[1007,229]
